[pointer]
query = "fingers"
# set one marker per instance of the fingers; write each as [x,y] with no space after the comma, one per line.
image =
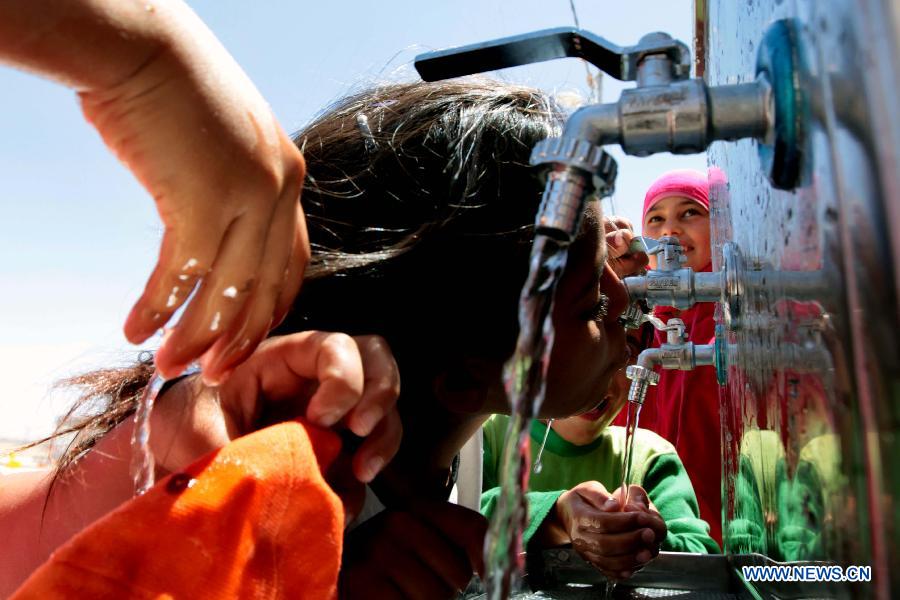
[285,366]
[376,415]
[616,541]
[619,234]
[379,448]
[223,292]
[615,544]
[280,276]
[611,522]
[249,266]
[617,242]
[340,373]
[618,554]
[250,327]
[382,384]
[637,498]
[613,223]
[328,377]
[639,501]
[595,497]
[185,257]
[293,275]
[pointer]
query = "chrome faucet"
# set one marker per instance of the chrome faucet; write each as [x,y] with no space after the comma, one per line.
[666,112]
[672,284]
[677,353]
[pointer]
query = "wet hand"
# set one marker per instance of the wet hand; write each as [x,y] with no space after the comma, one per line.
[226,180]
[428,551]
[617,542]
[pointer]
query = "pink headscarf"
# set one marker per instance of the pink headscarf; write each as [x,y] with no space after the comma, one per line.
[682,182]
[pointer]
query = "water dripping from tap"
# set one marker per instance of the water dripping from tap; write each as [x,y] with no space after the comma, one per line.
[524,379]
[631,423]
[538,466]
[143,465]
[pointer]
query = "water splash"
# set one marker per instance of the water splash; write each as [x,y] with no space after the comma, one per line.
[538,465]
[143,465]
[631,422]
[524,379]
[142,462]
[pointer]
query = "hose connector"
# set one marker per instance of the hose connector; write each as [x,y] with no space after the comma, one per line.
[641,379]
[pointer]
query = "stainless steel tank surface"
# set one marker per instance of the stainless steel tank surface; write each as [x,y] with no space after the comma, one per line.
[809,450]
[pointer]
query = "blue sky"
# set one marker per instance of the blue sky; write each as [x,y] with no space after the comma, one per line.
[78,236]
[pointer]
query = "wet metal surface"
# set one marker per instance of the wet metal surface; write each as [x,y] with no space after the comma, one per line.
[810,449]
[562,574]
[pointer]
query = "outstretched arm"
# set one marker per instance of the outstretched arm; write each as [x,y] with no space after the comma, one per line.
[174,106]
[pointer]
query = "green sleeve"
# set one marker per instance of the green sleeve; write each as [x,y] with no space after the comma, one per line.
[489,460]
[539,506]
[669,488]
[539,503]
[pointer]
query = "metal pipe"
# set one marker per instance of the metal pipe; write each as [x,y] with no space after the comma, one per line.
[597,122]
[798,285]
[741,110]
[655,69]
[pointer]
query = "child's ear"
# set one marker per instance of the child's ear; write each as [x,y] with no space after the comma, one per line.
[465,385]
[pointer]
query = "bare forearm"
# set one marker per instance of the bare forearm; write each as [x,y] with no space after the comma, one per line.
[91,44]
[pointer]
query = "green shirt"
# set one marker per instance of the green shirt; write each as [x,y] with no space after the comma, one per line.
[656,467]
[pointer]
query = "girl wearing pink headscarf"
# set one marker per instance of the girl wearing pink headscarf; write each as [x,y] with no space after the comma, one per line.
[684,407]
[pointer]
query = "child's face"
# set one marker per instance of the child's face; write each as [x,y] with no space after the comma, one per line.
[583,429]
[586,427]
[685,219]
[588,348]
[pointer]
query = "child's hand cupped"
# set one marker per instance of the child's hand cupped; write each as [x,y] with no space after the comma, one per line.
[618,542]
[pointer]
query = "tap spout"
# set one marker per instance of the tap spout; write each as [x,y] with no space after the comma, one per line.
[677,353]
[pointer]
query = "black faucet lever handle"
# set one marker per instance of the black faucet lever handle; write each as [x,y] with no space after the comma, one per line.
[549,44]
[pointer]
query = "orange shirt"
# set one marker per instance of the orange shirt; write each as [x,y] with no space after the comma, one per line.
[255,519]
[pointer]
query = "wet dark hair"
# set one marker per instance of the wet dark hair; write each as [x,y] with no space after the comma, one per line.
[420,206]
[421,224]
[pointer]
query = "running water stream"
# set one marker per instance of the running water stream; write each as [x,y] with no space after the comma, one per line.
[631,422]
[524,380]
[142,462]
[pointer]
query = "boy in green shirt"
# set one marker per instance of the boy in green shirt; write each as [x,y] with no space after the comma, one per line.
[576,495]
